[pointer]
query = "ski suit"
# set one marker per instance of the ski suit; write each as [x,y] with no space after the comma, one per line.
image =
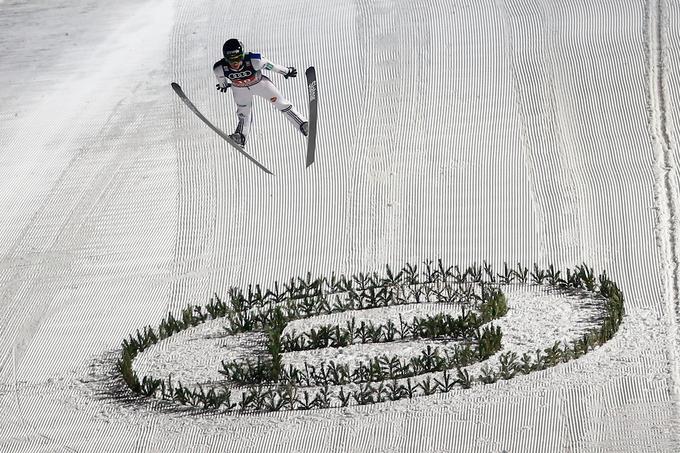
[247,81]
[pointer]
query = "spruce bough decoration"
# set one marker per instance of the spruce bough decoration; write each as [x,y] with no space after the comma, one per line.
[267,384]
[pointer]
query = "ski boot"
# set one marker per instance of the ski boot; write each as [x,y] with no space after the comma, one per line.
[304,128]
[239,138]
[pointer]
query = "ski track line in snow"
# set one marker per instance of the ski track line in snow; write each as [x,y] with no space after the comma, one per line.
[536,87]
[667,190]
[483,140]
[372,179]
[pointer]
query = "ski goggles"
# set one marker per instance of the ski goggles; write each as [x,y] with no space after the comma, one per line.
[235,57]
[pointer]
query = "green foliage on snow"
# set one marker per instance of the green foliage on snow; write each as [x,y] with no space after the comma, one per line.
[265,383]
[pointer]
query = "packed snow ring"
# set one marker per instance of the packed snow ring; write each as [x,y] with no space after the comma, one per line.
[570,316]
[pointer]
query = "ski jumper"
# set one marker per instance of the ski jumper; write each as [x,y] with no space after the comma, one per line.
[248,81]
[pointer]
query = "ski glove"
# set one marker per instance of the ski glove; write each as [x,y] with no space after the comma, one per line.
[292,72]
[223,87]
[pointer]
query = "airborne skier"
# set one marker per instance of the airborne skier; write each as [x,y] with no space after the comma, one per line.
[243,73]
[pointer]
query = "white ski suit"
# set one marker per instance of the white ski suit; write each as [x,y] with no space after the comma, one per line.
[248,81]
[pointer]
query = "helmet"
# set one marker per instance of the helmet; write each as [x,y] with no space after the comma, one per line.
[233,49]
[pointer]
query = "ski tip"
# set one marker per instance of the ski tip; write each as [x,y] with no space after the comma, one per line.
[176,87]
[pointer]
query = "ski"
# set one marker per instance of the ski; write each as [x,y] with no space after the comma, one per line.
[312,93]
[192,107]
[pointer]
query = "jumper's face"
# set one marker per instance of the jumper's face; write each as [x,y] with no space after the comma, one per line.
[235,64]
[235,60]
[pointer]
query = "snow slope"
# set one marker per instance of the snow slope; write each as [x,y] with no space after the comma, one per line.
[498,130]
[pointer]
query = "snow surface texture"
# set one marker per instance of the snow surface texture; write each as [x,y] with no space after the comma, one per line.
[498,130]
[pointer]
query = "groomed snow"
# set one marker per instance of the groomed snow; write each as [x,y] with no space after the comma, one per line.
[499,130]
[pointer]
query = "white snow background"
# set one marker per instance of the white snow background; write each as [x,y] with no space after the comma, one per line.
[499,130]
